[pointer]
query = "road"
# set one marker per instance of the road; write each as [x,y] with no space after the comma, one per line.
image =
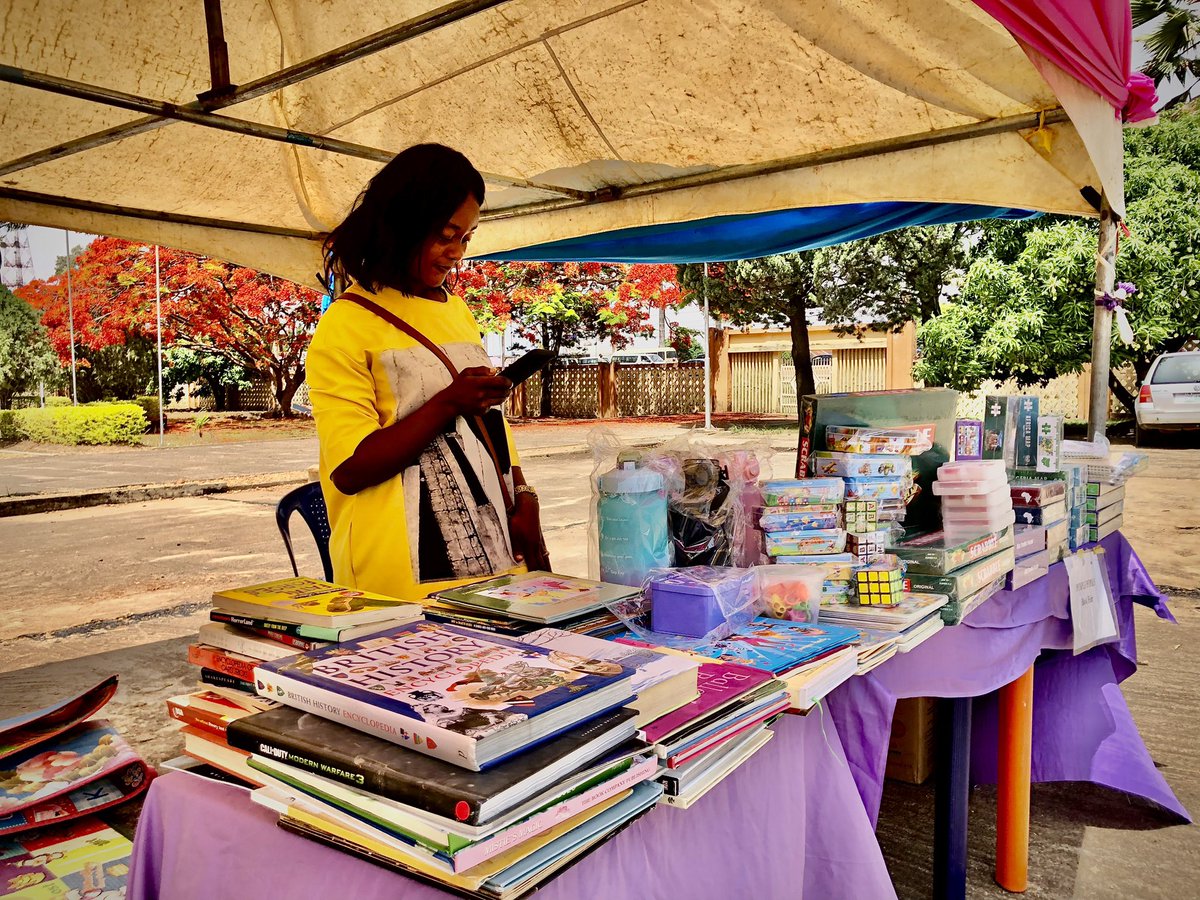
[122,589]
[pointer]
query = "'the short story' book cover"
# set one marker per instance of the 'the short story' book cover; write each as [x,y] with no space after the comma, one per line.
[777,645]
[436,688]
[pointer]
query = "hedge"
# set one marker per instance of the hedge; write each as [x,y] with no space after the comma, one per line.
[97,423]
[149,404]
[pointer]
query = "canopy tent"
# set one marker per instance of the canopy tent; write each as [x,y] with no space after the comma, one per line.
[588,117]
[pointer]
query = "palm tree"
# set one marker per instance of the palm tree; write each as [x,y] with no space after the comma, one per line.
[1174,44]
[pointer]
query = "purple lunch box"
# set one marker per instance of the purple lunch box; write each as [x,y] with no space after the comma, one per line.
[692,602]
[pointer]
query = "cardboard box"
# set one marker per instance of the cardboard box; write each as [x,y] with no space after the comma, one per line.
[1000,429]
[913,744]
[956,610]
[962,583]
[1103,489]
[1100,532]
[1103,501]
[968,439]
[1026,454]
[1041,515]
[1049,443]
[930,411]
[1106,515]
[933,554]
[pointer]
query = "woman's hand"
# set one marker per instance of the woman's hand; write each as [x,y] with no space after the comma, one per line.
[525,529]
[475,391]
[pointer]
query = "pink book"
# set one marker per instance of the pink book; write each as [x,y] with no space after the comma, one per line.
[719,685]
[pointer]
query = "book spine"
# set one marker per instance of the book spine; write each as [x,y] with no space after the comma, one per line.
[328,762]
[220,679]
[510,630]
[198,718]
[220,661]
[245,644]
[484,850]
[229,618]
[302,645]
[414,734]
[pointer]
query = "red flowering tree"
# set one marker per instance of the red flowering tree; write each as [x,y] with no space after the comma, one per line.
[556,305]
[249,318]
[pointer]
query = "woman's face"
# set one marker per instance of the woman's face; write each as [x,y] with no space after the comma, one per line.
[442,250]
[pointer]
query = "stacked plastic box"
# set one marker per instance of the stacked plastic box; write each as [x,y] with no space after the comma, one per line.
[1076,481]
[801,521]
[876,487]
[1104,511]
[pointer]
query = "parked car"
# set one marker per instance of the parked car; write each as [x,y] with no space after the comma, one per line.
[634,358]
[1170,396]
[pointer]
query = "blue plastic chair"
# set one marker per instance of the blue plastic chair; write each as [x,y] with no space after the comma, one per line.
[310,503]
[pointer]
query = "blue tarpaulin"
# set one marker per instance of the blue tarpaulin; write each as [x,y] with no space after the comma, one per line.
[750,236]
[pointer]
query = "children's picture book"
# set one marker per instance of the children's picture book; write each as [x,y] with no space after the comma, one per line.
[24,731]
[459,695]
[308,601]
[81,859]
[538,596]
[88,769]
[720,684]
[777,645]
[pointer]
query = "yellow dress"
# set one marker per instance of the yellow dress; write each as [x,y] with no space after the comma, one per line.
[440,522]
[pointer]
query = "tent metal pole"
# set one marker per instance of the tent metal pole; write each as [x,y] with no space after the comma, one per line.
[158,330]
[1102,322]
[707,357]
[71,319]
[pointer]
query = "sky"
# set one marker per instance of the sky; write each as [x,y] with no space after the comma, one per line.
[47,244]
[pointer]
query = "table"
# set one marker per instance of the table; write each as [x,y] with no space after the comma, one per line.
[798,819]
[1082,728]
[789,822]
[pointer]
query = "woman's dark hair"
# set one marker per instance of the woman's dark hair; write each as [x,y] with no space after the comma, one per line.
[409,199]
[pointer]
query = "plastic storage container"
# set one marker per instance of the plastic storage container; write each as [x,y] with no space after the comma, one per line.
[697,601]
[791,543]
[899,441]
[791,592]
[988,470]
[632,516]
[803,491]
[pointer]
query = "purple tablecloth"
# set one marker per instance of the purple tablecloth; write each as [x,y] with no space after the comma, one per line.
[1082,729]
[788,823]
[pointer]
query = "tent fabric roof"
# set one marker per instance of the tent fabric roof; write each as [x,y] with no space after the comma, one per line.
[586,116]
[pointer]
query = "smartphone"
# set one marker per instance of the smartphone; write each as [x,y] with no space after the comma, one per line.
[531,363]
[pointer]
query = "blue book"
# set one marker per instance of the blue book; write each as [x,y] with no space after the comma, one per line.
[469,698]
[777,645]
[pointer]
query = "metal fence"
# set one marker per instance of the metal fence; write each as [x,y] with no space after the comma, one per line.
[642,390]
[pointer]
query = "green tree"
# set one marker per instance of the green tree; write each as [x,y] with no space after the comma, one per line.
[1026,307]
[26,357]
[1174,44]
[216,374]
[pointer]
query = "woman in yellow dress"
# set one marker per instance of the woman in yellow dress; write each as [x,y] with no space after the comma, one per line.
[418,467]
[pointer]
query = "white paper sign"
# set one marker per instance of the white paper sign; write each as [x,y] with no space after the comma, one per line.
[1092,612]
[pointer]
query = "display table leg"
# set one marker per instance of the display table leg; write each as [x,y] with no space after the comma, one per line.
[1014,759]
[953,789]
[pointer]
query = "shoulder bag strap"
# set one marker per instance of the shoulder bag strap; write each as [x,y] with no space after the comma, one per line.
[393,319]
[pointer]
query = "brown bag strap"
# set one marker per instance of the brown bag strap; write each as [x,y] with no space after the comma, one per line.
[393,319]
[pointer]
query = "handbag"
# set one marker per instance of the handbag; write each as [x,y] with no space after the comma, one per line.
[480,426]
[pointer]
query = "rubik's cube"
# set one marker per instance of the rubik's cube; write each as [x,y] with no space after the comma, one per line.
[881,583]
[862,515]
[867,547]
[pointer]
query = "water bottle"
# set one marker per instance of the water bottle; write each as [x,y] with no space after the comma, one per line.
[633,523]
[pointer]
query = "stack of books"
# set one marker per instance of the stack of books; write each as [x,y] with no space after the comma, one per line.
[885,631]
[516,605]
[470,760]
[260,623]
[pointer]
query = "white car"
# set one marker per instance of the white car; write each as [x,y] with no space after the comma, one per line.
[1170,396]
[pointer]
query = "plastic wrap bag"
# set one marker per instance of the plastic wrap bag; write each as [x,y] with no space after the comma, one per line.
[791,592]
[691,606]
[709,494]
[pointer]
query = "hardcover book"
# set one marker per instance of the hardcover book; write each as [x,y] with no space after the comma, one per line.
[777,645]
[85,770]
[455,694]
[307,601]
[24,731]
[227,663]
[720,685]
[538,596]
[291,633]
[77,859]
[235,640]
[372,764]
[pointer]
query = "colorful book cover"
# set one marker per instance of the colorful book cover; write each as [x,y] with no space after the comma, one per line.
[26,730]
[88,769]
[226,662]
[81,859]
[538,596]
[719,684]
[649,666]
[436,688]
[308,601]
[777,645]
[221,680]
[1027,432]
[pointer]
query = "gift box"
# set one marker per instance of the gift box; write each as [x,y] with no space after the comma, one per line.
[936,554]
[862,515]
[793,543]
[1041,515]
[867,547]
[693,602]
[860,465]
[964,582]
[868,440]
[801,518]
[879,584]
[968,439]
[803,491]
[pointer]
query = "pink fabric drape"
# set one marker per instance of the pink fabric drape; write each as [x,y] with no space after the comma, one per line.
[1090,40]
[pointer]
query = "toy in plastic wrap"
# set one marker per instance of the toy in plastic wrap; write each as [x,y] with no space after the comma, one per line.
[803,491]
[1000,429]
[1025,453]
[790,592]
[1049,444]
[869,546]
[700,601]
[1025,492]
[962,583]
[860,465]
[968,439]
[833,566]
[800,518]
[1042,515]
[699,514]
[877,488]
[881,583]
[632,514]
[795,543]
[862,515]
[893,441]
[937,554]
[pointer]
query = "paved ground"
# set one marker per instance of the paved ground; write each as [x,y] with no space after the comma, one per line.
[121,589]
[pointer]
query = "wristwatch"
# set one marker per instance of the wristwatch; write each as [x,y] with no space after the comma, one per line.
[525,489]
